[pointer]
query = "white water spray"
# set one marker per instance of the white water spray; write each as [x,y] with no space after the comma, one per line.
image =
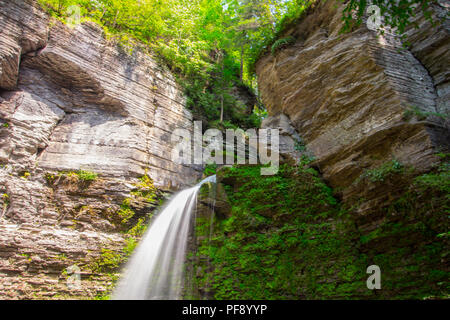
[155,270]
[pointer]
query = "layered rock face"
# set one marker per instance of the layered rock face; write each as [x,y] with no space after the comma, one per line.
[359,101]
[71,100]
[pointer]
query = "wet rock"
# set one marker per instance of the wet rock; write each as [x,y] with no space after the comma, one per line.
[72,100]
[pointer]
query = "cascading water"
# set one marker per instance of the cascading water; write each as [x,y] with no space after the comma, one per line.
[155,270]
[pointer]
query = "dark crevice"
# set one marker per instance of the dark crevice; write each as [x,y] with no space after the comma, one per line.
[31,54]
[40,151]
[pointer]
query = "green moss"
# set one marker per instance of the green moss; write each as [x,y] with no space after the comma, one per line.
[50,178]
[145,192]
[60,257]
[288,238]
[145,189]
[108,261]
[139,228]
[410,244]
[131,244]
[300,145]
[125,212]
[84,175]
[5,199]
[280,240]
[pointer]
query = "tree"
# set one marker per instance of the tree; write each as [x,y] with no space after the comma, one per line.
[396,14]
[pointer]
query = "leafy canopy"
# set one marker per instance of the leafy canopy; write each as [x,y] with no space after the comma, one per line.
[212,45]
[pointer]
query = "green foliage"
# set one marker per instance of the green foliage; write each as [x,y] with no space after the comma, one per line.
[414,237]
[206,96]
[306,160]
[288,239]
[84,175]
[300,145]
[439,181]
[131,244]
[397,15]
[282,43]
[284,237]
[210,169]
[414,111]
[26,175]
[125,212]
[194,38]
[145,189]
[50,178]
[289,13]
[108,261]
[138,229]
[5,199]
[381,173]
[212,45]
[145,192]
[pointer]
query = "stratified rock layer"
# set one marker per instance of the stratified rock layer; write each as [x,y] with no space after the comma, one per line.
[348,97]
[71,100]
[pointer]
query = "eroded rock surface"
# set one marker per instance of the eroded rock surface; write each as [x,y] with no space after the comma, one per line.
[349,97]
[71,100]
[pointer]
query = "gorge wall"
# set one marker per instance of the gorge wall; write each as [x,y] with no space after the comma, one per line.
[369,118]
[85,152]
[358,100]
[372,117]
[71,100]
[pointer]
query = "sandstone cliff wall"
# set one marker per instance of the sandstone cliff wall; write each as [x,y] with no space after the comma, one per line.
[350,96]
[70,100]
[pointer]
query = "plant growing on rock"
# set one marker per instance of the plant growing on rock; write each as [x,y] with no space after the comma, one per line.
[108,261]
[281,44]
[381,173]
[413,111]
[145,189]
[88,176]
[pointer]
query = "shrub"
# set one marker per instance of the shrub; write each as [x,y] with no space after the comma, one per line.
[86,175]
[210,169]
[381,173]
[282,43]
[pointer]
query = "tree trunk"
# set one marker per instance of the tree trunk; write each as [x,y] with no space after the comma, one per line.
[242,63]
[221,96]
[221,108]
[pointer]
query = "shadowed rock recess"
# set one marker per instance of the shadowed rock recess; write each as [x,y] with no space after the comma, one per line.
[71,101]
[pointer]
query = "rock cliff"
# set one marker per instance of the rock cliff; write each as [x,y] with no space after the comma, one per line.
[71,100]
[372,117]
[358,100]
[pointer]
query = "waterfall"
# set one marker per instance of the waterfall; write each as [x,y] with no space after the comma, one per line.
[156,268]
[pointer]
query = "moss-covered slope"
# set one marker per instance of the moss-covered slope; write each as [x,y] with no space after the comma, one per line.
[289,238]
